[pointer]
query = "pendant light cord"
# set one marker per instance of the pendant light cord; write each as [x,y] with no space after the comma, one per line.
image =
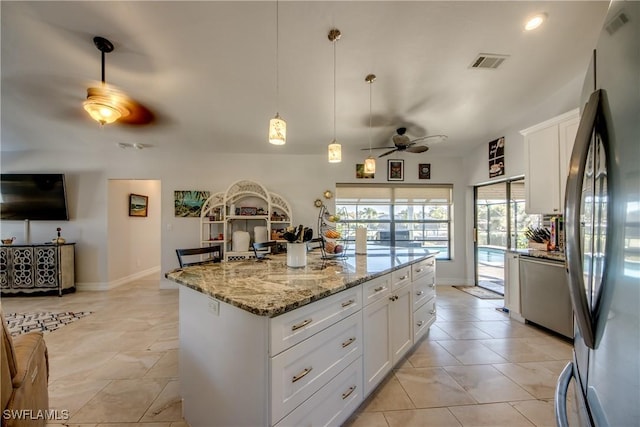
[277,56]
[103,81]
[370,102]
[334,89]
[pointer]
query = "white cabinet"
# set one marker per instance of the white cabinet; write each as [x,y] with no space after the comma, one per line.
[423,297]
[547,151]
[387,320]
[512,285]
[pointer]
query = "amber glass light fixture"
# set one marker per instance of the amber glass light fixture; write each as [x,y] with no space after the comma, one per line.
[103,104]
[335,149]
[370,162]
[277,126]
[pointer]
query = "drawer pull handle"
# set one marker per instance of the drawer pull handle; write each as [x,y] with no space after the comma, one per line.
[348,342]
[419,270]
[433,311]
[419,293]
[348,303]
[394,297]
[432,285]
[378,289]
[348,392]
[420,323]
[301,324]
[301,375]
[403,277]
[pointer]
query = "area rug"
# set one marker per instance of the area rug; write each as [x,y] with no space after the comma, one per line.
[479,292]
[20,323]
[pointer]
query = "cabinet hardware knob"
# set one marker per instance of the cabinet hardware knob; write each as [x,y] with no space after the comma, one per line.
[301,374]
[348,342]
[403,277]
[432,311]
[419,293]
[420,323]
[301,324]
[348,303]
[419,270]
[432,285]
[348,392]
[378,289]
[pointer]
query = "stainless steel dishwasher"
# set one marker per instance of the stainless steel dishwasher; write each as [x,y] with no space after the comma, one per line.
[544,294]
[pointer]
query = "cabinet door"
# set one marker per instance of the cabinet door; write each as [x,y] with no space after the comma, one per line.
[46,273]
[400,325]
[512,282]
[377,346]
[567,131]
[22,272]
[4,267]
[542,173]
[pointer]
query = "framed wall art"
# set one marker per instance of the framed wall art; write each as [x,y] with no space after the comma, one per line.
[496,157]
[189,203]
[360,173]
[138,205]
[395,170]
[424,171]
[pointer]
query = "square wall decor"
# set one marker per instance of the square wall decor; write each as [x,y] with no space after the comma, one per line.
[395,170]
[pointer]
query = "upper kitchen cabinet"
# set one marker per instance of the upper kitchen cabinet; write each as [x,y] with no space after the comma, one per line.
[548,148]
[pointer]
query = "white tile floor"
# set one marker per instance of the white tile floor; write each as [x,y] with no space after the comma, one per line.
[118,367]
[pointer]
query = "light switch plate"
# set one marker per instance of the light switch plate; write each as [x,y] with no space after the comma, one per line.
[214,306]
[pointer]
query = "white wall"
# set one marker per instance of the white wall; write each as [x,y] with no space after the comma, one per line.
[134,242]
[299,178]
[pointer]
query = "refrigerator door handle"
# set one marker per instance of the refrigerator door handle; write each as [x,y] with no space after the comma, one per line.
[572,219]
[562,386]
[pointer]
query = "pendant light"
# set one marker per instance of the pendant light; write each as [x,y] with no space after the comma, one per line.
[370,162]
[335,149]
[103,104]
[277,126]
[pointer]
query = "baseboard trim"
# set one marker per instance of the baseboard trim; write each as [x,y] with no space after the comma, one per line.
[105,286]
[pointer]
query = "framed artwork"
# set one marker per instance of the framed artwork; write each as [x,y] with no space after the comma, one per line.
[189,203]
[360,173]
[138,205]
[395,170]
[424,171]
[496,157]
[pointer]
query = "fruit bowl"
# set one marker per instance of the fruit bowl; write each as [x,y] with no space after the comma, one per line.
[332,234]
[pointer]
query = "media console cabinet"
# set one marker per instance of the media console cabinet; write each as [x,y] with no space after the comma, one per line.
[37,269]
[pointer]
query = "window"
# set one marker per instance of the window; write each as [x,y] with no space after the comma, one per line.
[418,216]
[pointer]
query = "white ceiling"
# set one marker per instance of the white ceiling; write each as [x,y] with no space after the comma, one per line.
[207,70]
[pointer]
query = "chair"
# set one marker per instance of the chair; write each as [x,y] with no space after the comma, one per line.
[209,250]
[262,249]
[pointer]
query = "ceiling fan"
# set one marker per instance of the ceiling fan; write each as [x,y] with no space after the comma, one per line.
[106,104]
[403,143]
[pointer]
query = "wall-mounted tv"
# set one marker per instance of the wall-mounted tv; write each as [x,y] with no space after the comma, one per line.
[36,197]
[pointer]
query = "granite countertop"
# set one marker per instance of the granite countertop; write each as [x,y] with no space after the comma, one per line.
[270,288]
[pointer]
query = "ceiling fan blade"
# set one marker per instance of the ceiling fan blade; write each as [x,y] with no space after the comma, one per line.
[441,138]
[417,149]
[401,140]
[388,152]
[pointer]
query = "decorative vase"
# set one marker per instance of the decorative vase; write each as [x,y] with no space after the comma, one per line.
[296,254]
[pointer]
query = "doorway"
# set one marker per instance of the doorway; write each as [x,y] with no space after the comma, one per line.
[500,225]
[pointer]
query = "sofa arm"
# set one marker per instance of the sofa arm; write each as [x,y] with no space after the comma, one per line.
[30,384]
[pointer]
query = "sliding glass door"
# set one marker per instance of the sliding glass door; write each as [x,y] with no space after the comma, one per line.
[500,223]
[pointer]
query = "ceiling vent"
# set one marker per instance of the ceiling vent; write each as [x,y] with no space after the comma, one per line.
[616,23]
[489,61]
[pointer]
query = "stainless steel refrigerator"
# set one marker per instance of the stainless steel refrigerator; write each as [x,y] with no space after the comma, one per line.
[602,226]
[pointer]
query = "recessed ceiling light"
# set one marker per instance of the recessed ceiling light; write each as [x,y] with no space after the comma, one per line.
[535,21]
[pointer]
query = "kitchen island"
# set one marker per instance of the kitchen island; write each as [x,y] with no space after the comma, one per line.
[263,344]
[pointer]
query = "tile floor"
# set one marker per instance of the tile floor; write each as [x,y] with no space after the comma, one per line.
[118,367]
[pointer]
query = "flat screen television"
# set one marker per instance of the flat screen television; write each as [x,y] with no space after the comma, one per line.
[36,197]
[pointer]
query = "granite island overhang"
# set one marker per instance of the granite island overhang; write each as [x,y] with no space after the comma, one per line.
[270,288]
[263,344]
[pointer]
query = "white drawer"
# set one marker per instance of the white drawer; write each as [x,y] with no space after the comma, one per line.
[333,403]
[400,277]
[297,325]
[375,289]
[423,318]
[302,370]
[423,290]
[422,268]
